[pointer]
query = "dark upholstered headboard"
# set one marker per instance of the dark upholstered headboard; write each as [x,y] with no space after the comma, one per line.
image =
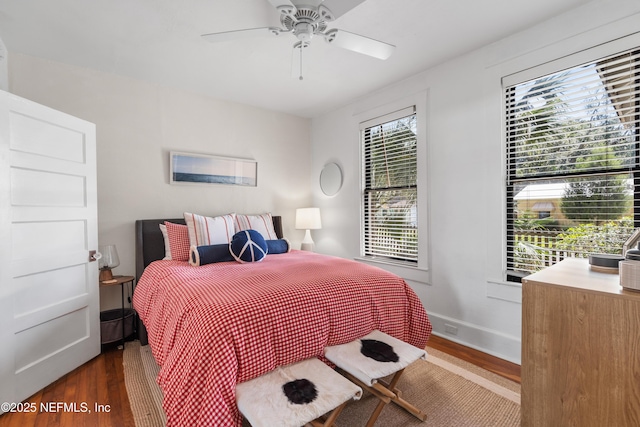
[150,247]
[150,244]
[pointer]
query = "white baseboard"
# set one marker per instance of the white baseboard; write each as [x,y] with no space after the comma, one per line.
[486,340]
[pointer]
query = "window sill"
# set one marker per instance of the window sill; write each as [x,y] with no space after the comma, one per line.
[404,270]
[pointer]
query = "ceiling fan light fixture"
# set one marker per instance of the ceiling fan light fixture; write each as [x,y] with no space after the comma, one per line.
[304,31]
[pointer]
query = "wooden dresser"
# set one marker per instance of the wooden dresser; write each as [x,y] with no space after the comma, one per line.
[580,348]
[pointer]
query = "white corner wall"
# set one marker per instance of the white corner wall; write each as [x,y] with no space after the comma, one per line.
[138,123]
[464,286]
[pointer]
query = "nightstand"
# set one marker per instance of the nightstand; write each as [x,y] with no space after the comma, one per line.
[120,280]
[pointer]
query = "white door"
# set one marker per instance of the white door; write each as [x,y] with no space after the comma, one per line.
[49,307]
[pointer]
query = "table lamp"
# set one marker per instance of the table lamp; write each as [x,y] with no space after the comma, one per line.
[308,219]
[108,261]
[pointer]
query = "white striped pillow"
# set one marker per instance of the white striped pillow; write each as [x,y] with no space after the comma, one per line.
[263,224]
[205,230]
[167,245]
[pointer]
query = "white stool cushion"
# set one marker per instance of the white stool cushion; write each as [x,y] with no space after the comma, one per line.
[264,404]
[350,358]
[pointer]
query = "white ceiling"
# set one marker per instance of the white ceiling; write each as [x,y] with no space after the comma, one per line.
[159,41]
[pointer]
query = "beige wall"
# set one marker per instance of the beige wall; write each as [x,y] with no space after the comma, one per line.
[139,123]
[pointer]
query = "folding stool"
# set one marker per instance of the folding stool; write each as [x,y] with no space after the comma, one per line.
[369,359]
[294,395]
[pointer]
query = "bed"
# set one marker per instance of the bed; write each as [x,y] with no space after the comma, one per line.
[216,325]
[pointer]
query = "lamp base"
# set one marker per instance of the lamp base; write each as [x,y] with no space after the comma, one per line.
[307,243]
[307,246]
[105,274]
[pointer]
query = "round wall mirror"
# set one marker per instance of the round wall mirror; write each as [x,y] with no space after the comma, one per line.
[331,179]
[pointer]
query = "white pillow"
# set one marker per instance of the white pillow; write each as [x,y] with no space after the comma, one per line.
[167,246]
[263,224]
[205,230]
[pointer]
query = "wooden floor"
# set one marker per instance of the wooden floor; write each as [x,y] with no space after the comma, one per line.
[101,382]
[98,382]
[490,363]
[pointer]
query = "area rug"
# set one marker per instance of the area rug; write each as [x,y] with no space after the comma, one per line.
[145,396]
[450,391]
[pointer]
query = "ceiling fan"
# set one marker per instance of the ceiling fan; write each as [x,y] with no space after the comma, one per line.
[306,19]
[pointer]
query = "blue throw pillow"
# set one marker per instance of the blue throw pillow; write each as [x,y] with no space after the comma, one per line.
[248,246]
[280,246]
[202,255]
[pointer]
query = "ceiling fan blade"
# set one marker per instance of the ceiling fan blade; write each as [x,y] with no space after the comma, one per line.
[285,7]
[339,7]
[360,44]
[240,34]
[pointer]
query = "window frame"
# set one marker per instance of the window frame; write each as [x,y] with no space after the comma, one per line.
[419,272]
[367,190]
[508,88]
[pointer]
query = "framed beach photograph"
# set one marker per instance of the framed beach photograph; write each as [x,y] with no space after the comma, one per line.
[189,168]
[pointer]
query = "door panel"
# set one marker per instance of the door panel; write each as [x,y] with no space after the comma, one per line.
[35,135]
[40,290]
[37,188]
[48,224]
[52,239]
[38,342]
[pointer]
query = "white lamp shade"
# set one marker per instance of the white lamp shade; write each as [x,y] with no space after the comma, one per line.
[308,219]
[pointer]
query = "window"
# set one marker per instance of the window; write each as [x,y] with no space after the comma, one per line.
[573,151]
[390,196]
[544,214]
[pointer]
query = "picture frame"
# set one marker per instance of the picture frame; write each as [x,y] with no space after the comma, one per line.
[191,168]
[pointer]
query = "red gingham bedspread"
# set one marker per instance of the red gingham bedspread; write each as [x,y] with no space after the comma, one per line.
[213,326]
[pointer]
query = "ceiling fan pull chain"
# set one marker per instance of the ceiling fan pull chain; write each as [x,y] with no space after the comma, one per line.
[301,49]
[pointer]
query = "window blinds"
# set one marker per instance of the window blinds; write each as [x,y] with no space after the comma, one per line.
[572,162]
[390,186]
